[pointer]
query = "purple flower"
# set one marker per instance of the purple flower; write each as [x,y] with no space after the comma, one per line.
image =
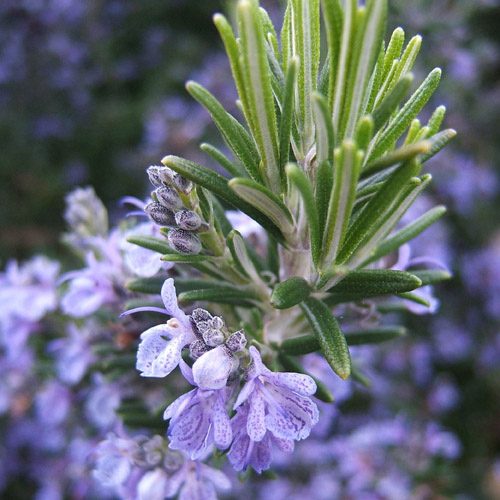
[247,452]
[157,356]
[89,288]
[199,419]
[196,481]
[278,402]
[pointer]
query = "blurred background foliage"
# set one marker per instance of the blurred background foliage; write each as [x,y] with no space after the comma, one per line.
[93,92]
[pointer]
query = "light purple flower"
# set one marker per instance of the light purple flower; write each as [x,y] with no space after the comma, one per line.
[89,288]
[73,353]
[278,402]
[199,419]
[212,369]
[141,261]
[197,481]
[157,356]
[247,452]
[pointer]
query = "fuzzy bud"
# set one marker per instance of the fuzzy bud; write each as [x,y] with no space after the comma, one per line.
[182,184]
[213,337]
[217,323]
[188,220]
[197,348]
[154,175]
[184,242]
[236,341]
[168,197]
[200,314]
[160,215]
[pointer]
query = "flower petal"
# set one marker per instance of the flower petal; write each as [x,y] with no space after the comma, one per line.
[223,434]
[169,358]
[256,423]
[178,405]
[211,370]
[151,346]
[190,431]
[296,382]
[169,298]
[294,416]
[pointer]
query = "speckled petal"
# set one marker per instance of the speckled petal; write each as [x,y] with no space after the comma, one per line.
[294,417]
[169,358]
[244,393]
[261,455]
[296,382]
[189,431]
[151,346]
[238,453]
[169,298]
[216,477]
[256,424]
[179,404]
[223,434]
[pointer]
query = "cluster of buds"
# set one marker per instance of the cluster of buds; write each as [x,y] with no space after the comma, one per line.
[212,335]
[168,210]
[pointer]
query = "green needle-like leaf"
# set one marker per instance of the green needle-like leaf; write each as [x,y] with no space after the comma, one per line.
[257,76]
[406,234]
[223,294]
[377,208]
[406,115]
[325,141]
[235,135]
[286,121]
[347,169]
[299,179]
[290,293]
[265,201]
[146,285]
[235,169]
[369,37]
[151,243]
[218,185]
[307,344]
[242,260]
[329,335]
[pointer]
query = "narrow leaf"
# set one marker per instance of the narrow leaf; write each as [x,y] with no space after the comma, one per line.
[237,138]
[431,276]
[235,169]
[146,285]
[367,283]
[325,142]
[257,77]
[264,201]
[329,335]
[378,206]
[218,185]
[333,14]
[393,50]
[367,47]
[299,179]
[244,264]
[151,243]
[438,142]
[287,116]
[290,293]
[400,155]
[347,168]
[224,294]
[179,257]
[407,114]
[391,101]
[324,185]
[406,234]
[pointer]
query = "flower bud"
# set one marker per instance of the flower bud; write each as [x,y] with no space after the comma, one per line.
[154,175]
[197,348]
[160,215]
[236,341]
[200,314]
[213,337]
[188,220]
[168,197]
[217,323]
[182,184]
[184,242]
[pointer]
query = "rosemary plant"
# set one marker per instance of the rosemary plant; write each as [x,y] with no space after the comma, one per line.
[327,157]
